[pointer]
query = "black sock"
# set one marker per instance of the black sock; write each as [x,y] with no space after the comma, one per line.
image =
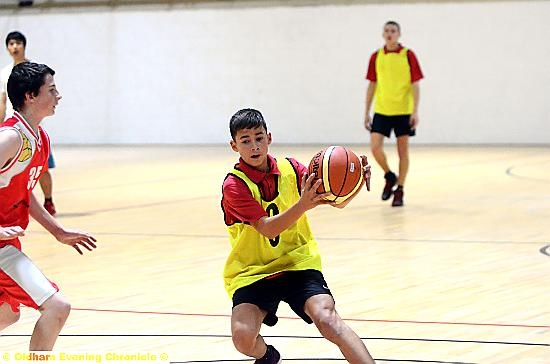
[399,187]
[48,199]
[389,175]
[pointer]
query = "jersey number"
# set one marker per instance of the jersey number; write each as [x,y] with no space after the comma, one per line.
[33,177]
[273,210]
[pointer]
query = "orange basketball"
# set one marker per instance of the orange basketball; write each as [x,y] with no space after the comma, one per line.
[341,172]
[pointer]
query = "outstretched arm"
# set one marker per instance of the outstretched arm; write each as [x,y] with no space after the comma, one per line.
[273,226]
[76,239]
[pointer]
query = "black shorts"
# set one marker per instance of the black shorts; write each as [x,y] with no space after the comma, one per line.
[384,124]
[292,287]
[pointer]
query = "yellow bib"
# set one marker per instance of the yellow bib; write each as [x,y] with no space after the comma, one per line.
[253,256]
[393,95]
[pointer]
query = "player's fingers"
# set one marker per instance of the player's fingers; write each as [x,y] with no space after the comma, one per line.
[311,179]
[315,185]
[16,230]
[88,239]
[78,249]
[13,232]
[367,172]
[322,196]
[84,244]
[304,179]
[337,205]
[92,242]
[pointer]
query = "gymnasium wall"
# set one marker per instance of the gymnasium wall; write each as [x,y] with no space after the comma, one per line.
[175,74]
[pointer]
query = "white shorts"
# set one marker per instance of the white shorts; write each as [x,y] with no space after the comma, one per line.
[21,282]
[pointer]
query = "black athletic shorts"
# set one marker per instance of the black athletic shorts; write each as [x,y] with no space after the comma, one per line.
[384,124]
[292,287]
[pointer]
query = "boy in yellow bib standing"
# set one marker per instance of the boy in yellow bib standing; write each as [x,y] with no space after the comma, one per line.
[274,255]
[394,73]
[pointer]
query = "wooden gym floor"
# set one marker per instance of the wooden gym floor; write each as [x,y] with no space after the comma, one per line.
[461,274]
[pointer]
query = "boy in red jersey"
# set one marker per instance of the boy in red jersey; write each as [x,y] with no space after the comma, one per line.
[274,255]
[393,73]
[16,44]
[24,149]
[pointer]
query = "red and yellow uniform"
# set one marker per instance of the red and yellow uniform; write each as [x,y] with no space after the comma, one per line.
[394,73]
[19,177]
[21,282]
[248,195]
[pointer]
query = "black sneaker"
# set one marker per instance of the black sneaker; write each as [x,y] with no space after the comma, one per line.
[391,180]
[271,356]
[398,197]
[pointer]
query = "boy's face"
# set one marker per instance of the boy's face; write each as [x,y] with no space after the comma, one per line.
[252,145]
[45,102]
[391,34]
[16,48]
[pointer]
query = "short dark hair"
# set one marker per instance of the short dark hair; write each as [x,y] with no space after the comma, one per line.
[18,36]
[246,119]
[26,77]
[393,22]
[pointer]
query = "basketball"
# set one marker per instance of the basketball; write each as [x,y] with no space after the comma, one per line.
[340,170]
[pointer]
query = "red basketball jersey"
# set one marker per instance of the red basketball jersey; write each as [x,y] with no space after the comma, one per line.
[21,174]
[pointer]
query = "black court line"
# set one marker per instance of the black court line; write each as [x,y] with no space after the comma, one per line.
[335,238]
[545,250]
[459,341]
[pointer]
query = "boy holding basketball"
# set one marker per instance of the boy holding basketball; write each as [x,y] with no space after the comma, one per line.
[274,255]
[24,148]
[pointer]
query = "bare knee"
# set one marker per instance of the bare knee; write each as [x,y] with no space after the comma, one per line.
[328,323]
[403,153]
[57,307]
[403,147]
[15,317]
[376,147]
[244,340]
[62,310]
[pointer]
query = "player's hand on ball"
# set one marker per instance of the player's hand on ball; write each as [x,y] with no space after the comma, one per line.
[77,239]
[309,196]
[366,171]
[11,232]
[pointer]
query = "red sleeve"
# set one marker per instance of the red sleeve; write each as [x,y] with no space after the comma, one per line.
[238,204]
[416,72]
[300,170]
[371,72]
